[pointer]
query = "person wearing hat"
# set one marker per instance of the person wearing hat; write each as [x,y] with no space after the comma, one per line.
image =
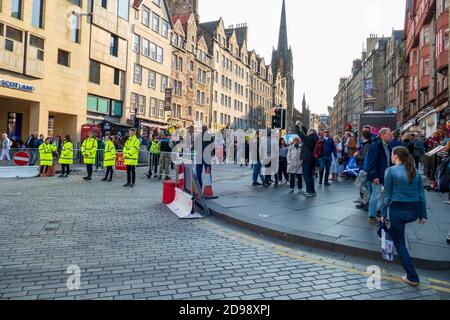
[109,158]
[89,153]
[131,155]
[46,151]
[66,158]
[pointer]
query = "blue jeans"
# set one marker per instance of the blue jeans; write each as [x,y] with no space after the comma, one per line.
[199,172]
[257,172]
[375,199]
[308,168]
[325,166]
[402,213]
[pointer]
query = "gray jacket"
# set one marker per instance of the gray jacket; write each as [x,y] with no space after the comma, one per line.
[294,159]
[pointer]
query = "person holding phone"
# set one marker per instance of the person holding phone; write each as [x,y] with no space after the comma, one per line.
[404,198]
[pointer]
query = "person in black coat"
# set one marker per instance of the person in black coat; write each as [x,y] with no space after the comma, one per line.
[310,139]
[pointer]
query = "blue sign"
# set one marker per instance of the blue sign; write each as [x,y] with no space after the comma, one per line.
[16,86]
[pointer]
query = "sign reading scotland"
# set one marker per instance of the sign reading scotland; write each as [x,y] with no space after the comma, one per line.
[16,86]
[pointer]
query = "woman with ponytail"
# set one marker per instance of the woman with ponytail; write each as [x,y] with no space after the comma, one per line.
[404,196]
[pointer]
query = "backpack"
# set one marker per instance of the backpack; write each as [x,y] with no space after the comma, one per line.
[318,150]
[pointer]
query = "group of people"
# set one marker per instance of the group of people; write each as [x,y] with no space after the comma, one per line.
[388,178]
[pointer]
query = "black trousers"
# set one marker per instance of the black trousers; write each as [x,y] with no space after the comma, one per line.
[282,170]
[65,169]
[43,170]
[89,169]
[154,161]
[299,180]
[109,172]
[131,174]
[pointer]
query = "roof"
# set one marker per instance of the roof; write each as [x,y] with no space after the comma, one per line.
[210,27]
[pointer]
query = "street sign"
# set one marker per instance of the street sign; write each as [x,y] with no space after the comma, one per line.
[120,162]
[21,158]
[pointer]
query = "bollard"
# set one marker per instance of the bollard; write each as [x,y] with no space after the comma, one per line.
[169,187]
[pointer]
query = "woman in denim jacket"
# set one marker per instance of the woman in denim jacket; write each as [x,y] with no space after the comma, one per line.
[404,196]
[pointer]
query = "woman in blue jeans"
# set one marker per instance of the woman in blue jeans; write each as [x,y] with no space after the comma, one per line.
[404,196]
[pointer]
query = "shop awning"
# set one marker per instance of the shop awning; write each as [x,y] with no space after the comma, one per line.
[441,108]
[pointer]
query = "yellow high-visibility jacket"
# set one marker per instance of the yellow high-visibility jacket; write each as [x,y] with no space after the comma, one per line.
[46,154]
[66,156]
[89,150]
[109,156]
[131,151]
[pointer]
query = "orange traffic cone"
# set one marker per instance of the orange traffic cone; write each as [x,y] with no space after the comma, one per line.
[208,190]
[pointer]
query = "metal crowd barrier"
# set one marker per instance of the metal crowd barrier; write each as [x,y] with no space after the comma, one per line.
[145,159]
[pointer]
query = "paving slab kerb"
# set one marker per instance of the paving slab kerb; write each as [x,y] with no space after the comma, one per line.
[329,221]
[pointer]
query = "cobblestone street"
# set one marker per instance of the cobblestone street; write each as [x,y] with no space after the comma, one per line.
[129,246]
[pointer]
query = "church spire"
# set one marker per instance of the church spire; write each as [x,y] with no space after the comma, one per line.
[282,38]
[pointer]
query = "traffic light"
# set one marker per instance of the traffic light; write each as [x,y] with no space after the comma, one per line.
[279,119]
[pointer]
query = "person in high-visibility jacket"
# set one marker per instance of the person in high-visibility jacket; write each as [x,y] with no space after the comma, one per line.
[109,158]
[66,157]
[89,153]
[154,150]
[131,155]
[46,156]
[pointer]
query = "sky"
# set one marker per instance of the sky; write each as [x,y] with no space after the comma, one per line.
[326,36]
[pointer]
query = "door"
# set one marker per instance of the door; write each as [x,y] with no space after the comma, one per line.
[15,126]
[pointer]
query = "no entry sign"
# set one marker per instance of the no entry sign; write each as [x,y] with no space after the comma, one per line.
[21,158]
[120,162]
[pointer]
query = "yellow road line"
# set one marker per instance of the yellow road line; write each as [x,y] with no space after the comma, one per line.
[314,259]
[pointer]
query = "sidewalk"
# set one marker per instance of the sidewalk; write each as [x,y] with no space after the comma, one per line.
[330,221]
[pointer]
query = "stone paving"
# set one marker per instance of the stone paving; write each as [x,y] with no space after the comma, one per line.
[330,220]
[129,246]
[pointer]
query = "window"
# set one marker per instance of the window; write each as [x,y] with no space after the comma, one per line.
[426,67]
[446,39]
[117,77]
[146,47]
[16,9]
[161,109]
[117,108]
[153,51]
[63,58]
[136,43]
[164,83]
[94,72]
[165,29]
[75,29]
[40,55]
[14,34]
[153,107]
[114,46]
[98,105]
[152,79]
[160,55]
[157,2]
[146,16]
[1,28]
[123,9]
[38,13]
[191,66]
[9,45]
[36,42]
[138,103]
[105,4]
[155,23]
[137,74]
[191,83]
[426,36]
[142,105]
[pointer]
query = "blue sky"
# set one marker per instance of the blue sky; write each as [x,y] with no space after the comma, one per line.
[326,36]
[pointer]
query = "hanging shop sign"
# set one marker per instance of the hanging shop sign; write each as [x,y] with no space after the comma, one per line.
[16,86]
